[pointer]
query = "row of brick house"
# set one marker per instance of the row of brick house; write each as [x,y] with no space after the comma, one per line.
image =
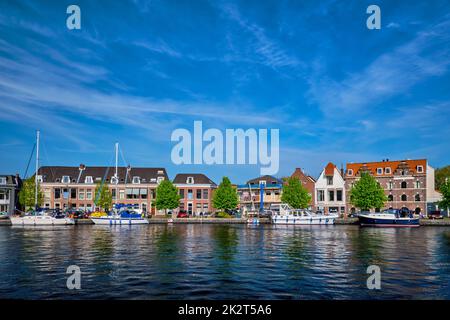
[407,183]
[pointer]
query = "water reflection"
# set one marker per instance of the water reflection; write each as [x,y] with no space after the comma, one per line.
[224,261]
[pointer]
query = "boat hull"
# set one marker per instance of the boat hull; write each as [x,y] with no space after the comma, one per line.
[367,221]
[118,221]
[292,220]
[40,221]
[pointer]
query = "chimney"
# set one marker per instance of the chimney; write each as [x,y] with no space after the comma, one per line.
[342,169]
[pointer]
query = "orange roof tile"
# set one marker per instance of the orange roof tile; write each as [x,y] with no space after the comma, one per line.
[329,169]
[372,166]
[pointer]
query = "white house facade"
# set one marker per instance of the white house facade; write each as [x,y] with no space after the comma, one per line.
[330,191]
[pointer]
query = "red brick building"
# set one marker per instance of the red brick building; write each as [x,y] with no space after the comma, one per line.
[308,182]
[74,187]
[195,191]
[406,183]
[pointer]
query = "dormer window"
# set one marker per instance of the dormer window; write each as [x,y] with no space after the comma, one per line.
[160,172]
[387,170]
[88,180]
[419,169]
[136,180]
[350,172]
[379,171]
[2,180]
[65,179]
[40,178]
[159,179]
[114,180]
[190,180]
[262,182]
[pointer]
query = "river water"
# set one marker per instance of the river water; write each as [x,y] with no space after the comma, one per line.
[224,262]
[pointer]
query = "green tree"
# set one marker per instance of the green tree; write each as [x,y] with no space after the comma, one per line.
[294,194]
[445,190]
[103,197]
[225,197]
[440,175]
[28,193]
[367,193]
[167,196]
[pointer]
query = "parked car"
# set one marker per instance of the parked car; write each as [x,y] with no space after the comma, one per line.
[435,215]
[182,214]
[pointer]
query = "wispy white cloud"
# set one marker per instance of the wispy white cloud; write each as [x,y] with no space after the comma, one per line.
[392,73]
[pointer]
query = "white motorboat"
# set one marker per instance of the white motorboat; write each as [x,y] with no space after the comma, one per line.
[38,218]
[286,215]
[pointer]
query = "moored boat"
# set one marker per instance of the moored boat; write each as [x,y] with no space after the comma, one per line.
[40,218]
[388,218]
[287,215]
[123,217]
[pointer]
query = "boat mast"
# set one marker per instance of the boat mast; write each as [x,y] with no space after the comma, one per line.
[36,173]
[116,174]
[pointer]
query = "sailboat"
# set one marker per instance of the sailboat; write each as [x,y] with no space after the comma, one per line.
[37,217]
[121,214]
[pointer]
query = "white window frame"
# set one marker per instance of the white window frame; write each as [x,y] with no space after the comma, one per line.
[89,180]
[190,180]
[419,169]
[39,178]
[379,171]
[65,179]
[136,180]
[114,180]
[159,179]
[2,180]
[350,172]
[387,170]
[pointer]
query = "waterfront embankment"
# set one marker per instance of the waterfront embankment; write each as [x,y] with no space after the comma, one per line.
[158,220]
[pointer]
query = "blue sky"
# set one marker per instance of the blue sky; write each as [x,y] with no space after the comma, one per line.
[137,70]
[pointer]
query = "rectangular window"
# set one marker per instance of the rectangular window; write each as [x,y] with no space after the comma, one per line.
[181,193]
[379,171]
[89,180]
[387,170]
[190,195]
[420,169]
[73,193]
[205,193]
[143,193]
[57,193]
[199,193]
[205,206]
[330,181]
[320,195]
[65,179]
[113,194]
[129,193]
[331,195]
[88,194]
[2,180]
[417,184]
[339,195]
[121,194]
[65,193]
[390,185]
[81,194]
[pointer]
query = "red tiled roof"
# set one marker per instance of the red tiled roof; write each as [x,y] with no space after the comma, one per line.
[372,166]
[329,169]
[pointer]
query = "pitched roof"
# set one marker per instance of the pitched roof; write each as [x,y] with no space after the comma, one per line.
[268,179]
[55,173]
[12,179]
[199,178]
[329,169]
[410,165]
[298,173]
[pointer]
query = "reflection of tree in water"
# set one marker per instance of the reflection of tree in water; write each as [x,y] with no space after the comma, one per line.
[297,251]
[103,251]
[225,242]
[366,245]
[169,256]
